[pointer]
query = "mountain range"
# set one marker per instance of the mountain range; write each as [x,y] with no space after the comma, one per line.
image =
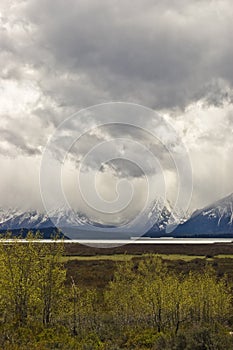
[214,220]
[19,221]
[74,223]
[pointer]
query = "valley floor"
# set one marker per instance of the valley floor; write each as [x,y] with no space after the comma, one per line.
[136,297]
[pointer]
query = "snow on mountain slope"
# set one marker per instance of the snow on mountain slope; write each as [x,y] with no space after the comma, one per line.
[16,219]
[7,214]
[220,210]
[11,219]
[164,215]
[214,219]
[65,217]
[62,217]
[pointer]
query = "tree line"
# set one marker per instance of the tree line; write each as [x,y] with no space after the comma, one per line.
[144,306]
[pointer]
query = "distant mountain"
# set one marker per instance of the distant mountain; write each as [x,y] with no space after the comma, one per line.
[165,216]
[215,220]
[63,218]
[14,219]
[212,221]
[71,222]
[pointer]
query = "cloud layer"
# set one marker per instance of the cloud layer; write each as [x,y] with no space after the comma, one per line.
[173,56]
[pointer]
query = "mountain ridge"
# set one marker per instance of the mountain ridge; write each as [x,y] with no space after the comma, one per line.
[214,219]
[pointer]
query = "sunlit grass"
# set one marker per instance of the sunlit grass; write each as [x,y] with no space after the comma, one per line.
[127,257]
[115,257]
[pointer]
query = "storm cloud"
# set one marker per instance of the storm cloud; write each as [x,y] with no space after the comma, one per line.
[173,56]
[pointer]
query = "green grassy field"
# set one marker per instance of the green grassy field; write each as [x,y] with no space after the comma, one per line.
[127,257]
[114,257]
[224,256]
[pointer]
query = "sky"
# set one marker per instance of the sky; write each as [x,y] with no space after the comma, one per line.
[174,57]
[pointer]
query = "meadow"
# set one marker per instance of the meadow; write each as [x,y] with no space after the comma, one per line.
[68,296]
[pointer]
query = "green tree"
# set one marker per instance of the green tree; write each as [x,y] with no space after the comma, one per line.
[31,280]
[121,296]
[82,309]
[51,281]
[152,296]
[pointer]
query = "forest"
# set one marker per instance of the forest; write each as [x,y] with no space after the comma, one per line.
[144,305]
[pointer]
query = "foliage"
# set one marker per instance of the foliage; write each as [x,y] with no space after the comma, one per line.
[145,306]
[32,281]
[165,301]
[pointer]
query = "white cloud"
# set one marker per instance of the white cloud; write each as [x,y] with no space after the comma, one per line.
[173,56]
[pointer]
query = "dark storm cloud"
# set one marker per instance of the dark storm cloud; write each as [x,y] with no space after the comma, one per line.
[104,148]
[61,56]
[160,55]
[216,93]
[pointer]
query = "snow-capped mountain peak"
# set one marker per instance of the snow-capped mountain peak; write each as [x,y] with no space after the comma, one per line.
[15,219]
[219,210]
[215,219]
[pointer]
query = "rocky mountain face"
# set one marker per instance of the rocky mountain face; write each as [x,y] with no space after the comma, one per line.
[14,219]
[32,219]
[212,221]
